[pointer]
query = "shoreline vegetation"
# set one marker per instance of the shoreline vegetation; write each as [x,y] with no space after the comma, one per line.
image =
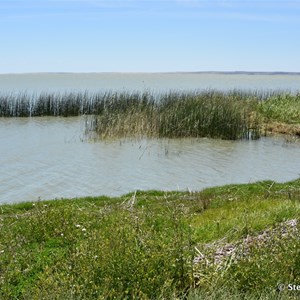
[229,115]
[229,242]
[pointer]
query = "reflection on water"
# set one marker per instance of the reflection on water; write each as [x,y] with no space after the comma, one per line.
[50,158]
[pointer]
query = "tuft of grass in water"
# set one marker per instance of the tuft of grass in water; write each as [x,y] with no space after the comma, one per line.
[210,114]
[154,245]
[178,114]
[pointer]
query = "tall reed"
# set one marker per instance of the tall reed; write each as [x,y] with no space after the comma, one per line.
[178,114]
[47,104]
[228,115]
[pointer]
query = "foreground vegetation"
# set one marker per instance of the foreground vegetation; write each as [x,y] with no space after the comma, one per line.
[230,242]
[227,115]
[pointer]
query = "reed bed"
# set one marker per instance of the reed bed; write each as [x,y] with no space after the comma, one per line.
[178,114]
[228,115]
[49,104]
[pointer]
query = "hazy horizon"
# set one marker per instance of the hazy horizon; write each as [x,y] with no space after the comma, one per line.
[160,72]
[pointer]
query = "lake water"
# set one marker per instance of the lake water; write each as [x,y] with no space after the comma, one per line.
[156,82]
[51,158]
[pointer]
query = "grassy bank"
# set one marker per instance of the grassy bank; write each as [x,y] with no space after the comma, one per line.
[233,242]
[227,115]
[281,114]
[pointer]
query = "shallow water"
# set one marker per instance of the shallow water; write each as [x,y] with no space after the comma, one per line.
[51,158]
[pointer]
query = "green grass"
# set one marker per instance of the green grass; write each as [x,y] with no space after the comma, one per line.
[281,114]
[146,245]
[283,108]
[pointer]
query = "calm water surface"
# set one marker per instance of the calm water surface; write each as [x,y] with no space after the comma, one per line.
[156,82]
[51,158]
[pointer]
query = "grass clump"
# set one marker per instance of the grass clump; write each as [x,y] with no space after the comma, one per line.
[175,115]
[283,108]
[281,114]
[236,241]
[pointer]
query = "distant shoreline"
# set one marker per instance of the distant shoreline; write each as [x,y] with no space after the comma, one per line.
[175,72]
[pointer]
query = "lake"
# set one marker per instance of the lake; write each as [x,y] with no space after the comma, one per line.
[155,82]
[48,157]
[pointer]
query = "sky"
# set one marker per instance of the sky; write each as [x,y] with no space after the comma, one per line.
[149,35]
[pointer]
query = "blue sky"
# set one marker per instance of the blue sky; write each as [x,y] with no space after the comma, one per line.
[149,35]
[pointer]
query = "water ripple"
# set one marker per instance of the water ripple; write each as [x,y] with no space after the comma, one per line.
[48,158]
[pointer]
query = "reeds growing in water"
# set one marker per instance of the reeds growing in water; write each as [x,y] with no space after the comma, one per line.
[178,114]
[49,104]
[227,115]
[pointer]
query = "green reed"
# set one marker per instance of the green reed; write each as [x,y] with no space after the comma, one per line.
[179,114]
[47,104]
[228,115]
